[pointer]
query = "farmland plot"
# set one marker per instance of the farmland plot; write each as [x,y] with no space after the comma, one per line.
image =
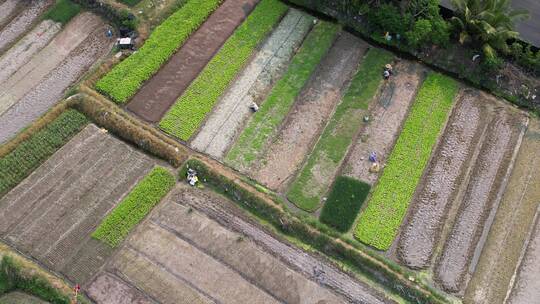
[511,227]
[32,73]
[22,22]
[310,113]
[162,90]
[199,259]
[51,214]
[51,88]
[482,196]
[8,9]
[252,85]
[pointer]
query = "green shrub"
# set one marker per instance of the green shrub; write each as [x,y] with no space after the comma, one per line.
[62,11]
[307,190]
[124,80]
[380,221]
[134,207]
[419,34]
[189,111]
[276,106]
[31,153]
[387,18]
[344,202]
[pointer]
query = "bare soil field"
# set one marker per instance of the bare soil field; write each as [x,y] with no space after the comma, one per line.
[511,227]
[268,65]
[484,189]
[386,118]
[162,90]
[52,87]
[8,9]
[32,73]
[526,289]
[52,213]
[310,113]
[22,22]
[200,259]
[440,184]
[27,47]
[17,297]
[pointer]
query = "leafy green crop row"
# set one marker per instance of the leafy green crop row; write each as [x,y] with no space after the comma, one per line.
[134,207]
[62,11]
[123,81]
[18,164]
[380,221]
[307,189]
[189,111]
[344,202]
[282,97]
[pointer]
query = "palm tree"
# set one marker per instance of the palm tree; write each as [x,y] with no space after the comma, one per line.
[487,22]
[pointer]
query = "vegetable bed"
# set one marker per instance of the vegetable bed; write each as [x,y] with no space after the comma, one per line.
[123,81]
[308,188]
[274,110]
[18,164]
[189,111]
[344,202]
[380,221]
[134,207]
[62,11]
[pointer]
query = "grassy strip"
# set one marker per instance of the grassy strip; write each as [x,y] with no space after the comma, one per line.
[62,11]
[344,202]
[266,121]
[29,154]
[189,111]
[315,235]
[307,189]
[134,207]
[380,221]
[125,79]
[130,2]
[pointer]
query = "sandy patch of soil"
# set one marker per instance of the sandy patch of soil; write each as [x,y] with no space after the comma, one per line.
[441,182]
[51,89]
[23,51]
[313,267]
[386,118]
[511,227]
[8,9]
[52,213]
[268,65]
[22,23]
[162,90]
[109,289]
[42,63]
[310,113]
[482,194]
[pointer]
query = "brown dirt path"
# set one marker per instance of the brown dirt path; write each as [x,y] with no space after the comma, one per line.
[440,185]
[511,227]
[162,90]
[386,118]
[482,194]
[310,113]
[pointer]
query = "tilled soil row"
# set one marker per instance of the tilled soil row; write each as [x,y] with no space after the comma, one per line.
[162,90]
[22,23]
[440,184]
[51,89]
[110,289]
[27,47]
[253,84]
[310,113]
[487,178]
[32,73]
[8,9]
[314,268]
[386,118]
[511,228]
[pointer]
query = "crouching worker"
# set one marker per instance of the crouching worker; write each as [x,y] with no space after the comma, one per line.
[387,71]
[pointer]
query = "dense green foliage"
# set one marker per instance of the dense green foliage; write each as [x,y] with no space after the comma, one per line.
[189,111]
[134,207]
[381,219]
[123,81]
[307,189]
[62,11]
[343,203]
[276,106]
[31,153]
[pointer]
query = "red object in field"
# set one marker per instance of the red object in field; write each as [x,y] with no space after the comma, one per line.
[77,288]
